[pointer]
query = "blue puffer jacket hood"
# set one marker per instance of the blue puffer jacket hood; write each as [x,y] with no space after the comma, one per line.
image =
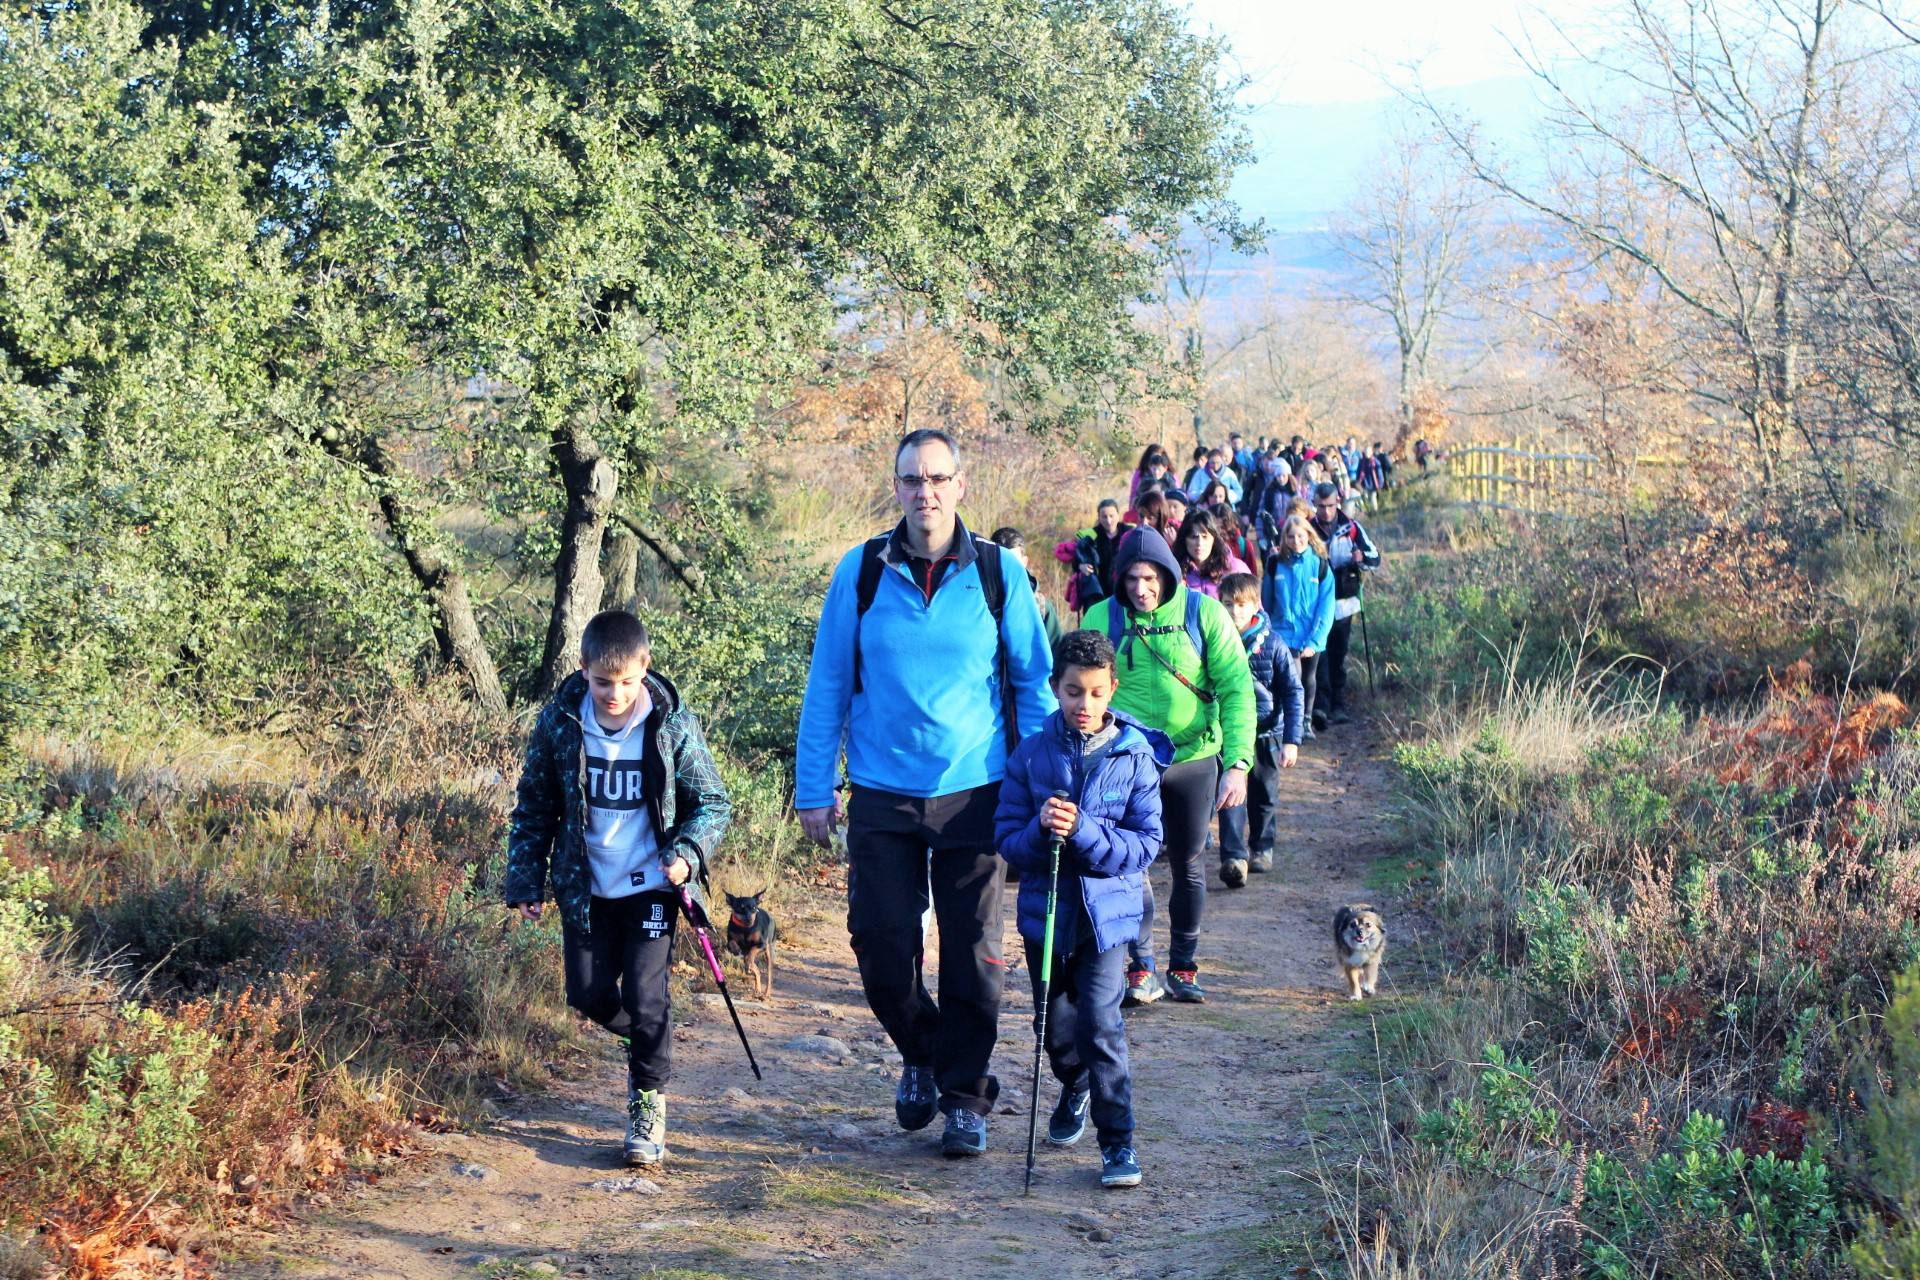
[1118,836]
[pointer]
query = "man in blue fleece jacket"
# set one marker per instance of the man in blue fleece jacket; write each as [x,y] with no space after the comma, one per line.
[912,688]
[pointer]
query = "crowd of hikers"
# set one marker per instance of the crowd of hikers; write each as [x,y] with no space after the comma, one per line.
[980,735]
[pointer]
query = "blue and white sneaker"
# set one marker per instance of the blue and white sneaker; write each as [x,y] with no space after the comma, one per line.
[1119,1167]
[1069,1119]
[966,1133]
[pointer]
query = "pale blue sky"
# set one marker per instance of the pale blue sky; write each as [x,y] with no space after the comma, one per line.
[1321,52]
[1318,97]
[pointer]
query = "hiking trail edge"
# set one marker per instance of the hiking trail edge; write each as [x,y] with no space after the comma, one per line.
[807,1174]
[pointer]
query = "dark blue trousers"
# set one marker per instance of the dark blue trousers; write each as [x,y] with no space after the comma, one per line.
[1248,828]
[1086,1038]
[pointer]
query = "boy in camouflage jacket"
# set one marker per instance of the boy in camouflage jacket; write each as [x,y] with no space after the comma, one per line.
[620,807]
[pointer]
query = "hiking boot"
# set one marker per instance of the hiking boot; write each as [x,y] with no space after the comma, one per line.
[1143,987]
[1339,716]
[1306,731]
[1069,1119]
[646,1126]
[1119,1167]
[1261,863]
[1183,985]
[1233,872]
[1319,721]
[966,1133]
[917,1098]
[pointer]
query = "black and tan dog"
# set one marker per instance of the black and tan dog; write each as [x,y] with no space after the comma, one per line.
[1360,944]
[750,933]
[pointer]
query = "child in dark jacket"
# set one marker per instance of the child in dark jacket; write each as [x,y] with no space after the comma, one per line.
[1109,830]
[620,807]
[1279,699]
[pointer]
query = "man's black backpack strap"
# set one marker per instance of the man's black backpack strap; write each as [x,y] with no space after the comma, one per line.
[993,587]
[873,563]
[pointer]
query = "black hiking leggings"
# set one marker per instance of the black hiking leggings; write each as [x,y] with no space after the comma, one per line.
[1189,794]
[1309,682]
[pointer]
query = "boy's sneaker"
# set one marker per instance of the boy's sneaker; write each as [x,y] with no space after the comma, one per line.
[1306,731]
[966,1133]
[1183,985]
[917,1098]
[646,1126]
[1143,987]
[1261,863]
[1119,1167]
[1233,872]
[1069,1119]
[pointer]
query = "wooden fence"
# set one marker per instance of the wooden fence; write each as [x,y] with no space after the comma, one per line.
[1523,478]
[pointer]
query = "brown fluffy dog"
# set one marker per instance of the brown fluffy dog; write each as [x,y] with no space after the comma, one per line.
[1359,944]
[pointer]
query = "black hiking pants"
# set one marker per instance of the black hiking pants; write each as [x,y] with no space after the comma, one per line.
[1309,682]
[617,976]
[1188,795]
[1333,671]
[898,848]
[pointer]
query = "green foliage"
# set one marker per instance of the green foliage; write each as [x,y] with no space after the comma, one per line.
[1502,1116]
[134,1123]
[1557,919]
[1888,1247]
[1769,1215]
[1436,633]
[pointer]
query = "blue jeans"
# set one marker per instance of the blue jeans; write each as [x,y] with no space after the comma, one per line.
[1086,1038]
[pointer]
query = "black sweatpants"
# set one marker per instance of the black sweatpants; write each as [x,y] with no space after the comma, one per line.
[1188,795]
[897,847]
[617,976]
[1333,671]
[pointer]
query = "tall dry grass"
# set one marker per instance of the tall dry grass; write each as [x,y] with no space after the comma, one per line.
[1668,945]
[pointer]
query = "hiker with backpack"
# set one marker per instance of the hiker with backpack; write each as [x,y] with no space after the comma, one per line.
[930,665]
[1184,672]
[1094,551]
[1299,600]
[1247,831]
[1350,553]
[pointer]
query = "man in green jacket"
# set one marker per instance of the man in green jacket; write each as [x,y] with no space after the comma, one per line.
[1184,672]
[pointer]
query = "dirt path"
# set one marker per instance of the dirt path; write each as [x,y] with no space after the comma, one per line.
[806,1173]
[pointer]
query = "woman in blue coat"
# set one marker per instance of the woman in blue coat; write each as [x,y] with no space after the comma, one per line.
[1090,779]
[1299,598]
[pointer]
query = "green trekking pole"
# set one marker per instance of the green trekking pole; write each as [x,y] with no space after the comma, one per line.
[1046,979]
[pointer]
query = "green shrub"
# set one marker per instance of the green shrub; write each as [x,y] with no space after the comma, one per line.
[1888,1247]
[1556,919]
[1502,1116]
[1771,1216]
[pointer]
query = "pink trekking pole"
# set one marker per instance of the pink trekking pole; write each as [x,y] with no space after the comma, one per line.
[703,930]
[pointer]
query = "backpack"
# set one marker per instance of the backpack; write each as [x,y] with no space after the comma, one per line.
[993,585]
[1117,631]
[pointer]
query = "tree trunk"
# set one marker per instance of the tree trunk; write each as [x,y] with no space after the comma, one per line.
[591,482]
[454,626]
[623,568]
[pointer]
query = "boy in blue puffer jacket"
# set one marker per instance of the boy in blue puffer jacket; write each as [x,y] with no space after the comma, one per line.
[1279,700]
[1109,766]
